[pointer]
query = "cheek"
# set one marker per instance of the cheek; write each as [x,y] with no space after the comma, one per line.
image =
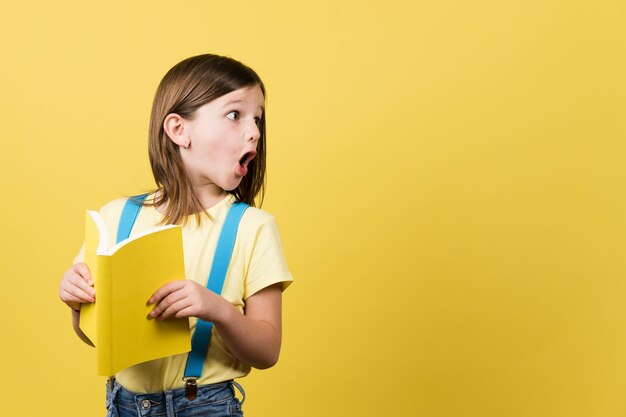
[223,147]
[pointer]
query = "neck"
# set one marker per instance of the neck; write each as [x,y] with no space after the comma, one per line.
[209,195]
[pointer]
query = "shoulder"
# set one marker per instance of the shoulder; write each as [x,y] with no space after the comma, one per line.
[114,205]
[256,221]
[113,208]
[257,217]
[111,211]
[119,203]
[258,228]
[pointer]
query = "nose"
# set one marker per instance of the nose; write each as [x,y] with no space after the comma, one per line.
[254,133]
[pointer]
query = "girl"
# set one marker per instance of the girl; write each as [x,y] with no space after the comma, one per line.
[207,150]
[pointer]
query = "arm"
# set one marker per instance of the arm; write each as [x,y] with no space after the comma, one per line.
[253,337]
[77,288]
[257,335]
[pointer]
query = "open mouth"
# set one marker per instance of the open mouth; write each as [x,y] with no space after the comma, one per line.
[246,158]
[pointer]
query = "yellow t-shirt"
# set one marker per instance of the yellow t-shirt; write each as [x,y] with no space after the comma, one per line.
[257,262]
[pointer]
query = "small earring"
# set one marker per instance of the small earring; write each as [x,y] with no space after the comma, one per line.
[187,145]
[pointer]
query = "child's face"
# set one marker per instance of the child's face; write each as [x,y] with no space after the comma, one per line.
[223,136]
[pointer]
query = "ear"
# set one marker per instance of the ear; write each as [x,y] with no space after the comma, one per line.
[174,127]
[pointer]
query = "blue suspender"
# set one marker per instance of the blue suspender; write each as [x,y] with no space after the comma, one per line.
[129,215]
[221,260]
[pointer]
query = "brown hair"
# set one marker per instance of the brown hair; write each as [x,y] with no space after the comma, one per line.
[187,86]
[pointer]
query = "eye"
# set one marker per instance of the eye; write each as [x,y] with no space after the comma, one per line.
[233,115]
[257,120]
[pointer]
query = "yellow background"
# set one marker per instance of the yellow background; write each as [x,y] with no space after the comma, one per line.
[448,177]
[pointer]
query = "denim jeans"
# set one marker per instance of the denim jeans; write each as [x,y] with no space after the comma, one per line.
[215,400]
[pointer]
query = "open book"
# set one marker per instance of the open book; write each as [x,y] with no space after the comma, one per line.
[125,276]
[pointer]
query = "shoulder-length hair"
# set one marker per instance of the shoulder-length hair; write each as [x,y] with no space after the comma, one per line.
[187,86]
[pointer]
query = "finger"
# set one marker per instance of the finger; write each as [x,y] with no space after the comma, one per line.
[166,302]
[82,269]
[79,282]
[165,290]
[78,294]
[185,312]
[71,298]
[174,308]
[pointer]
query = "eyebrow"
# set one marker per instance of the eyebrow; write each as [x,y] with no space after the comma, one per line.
[262,107]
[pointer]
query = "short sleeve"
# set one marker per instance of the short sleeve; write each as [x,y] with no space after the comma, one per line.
[267,262]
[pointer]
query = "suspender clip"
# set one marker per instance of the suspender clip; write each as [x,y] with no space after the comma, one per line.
[191,389]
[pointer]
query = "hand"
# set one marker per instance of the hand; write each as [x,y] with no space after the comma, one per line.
[187,298]
[77,287]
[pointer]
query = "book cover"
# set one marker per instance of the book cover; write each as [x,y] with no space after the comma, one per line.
[125,276]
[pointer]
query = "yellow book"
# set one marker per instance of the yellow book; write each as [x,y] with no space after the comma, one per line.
[125,276]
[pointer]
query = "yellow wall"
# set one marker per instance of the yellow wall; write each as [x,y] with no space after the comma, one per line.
[449,179]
